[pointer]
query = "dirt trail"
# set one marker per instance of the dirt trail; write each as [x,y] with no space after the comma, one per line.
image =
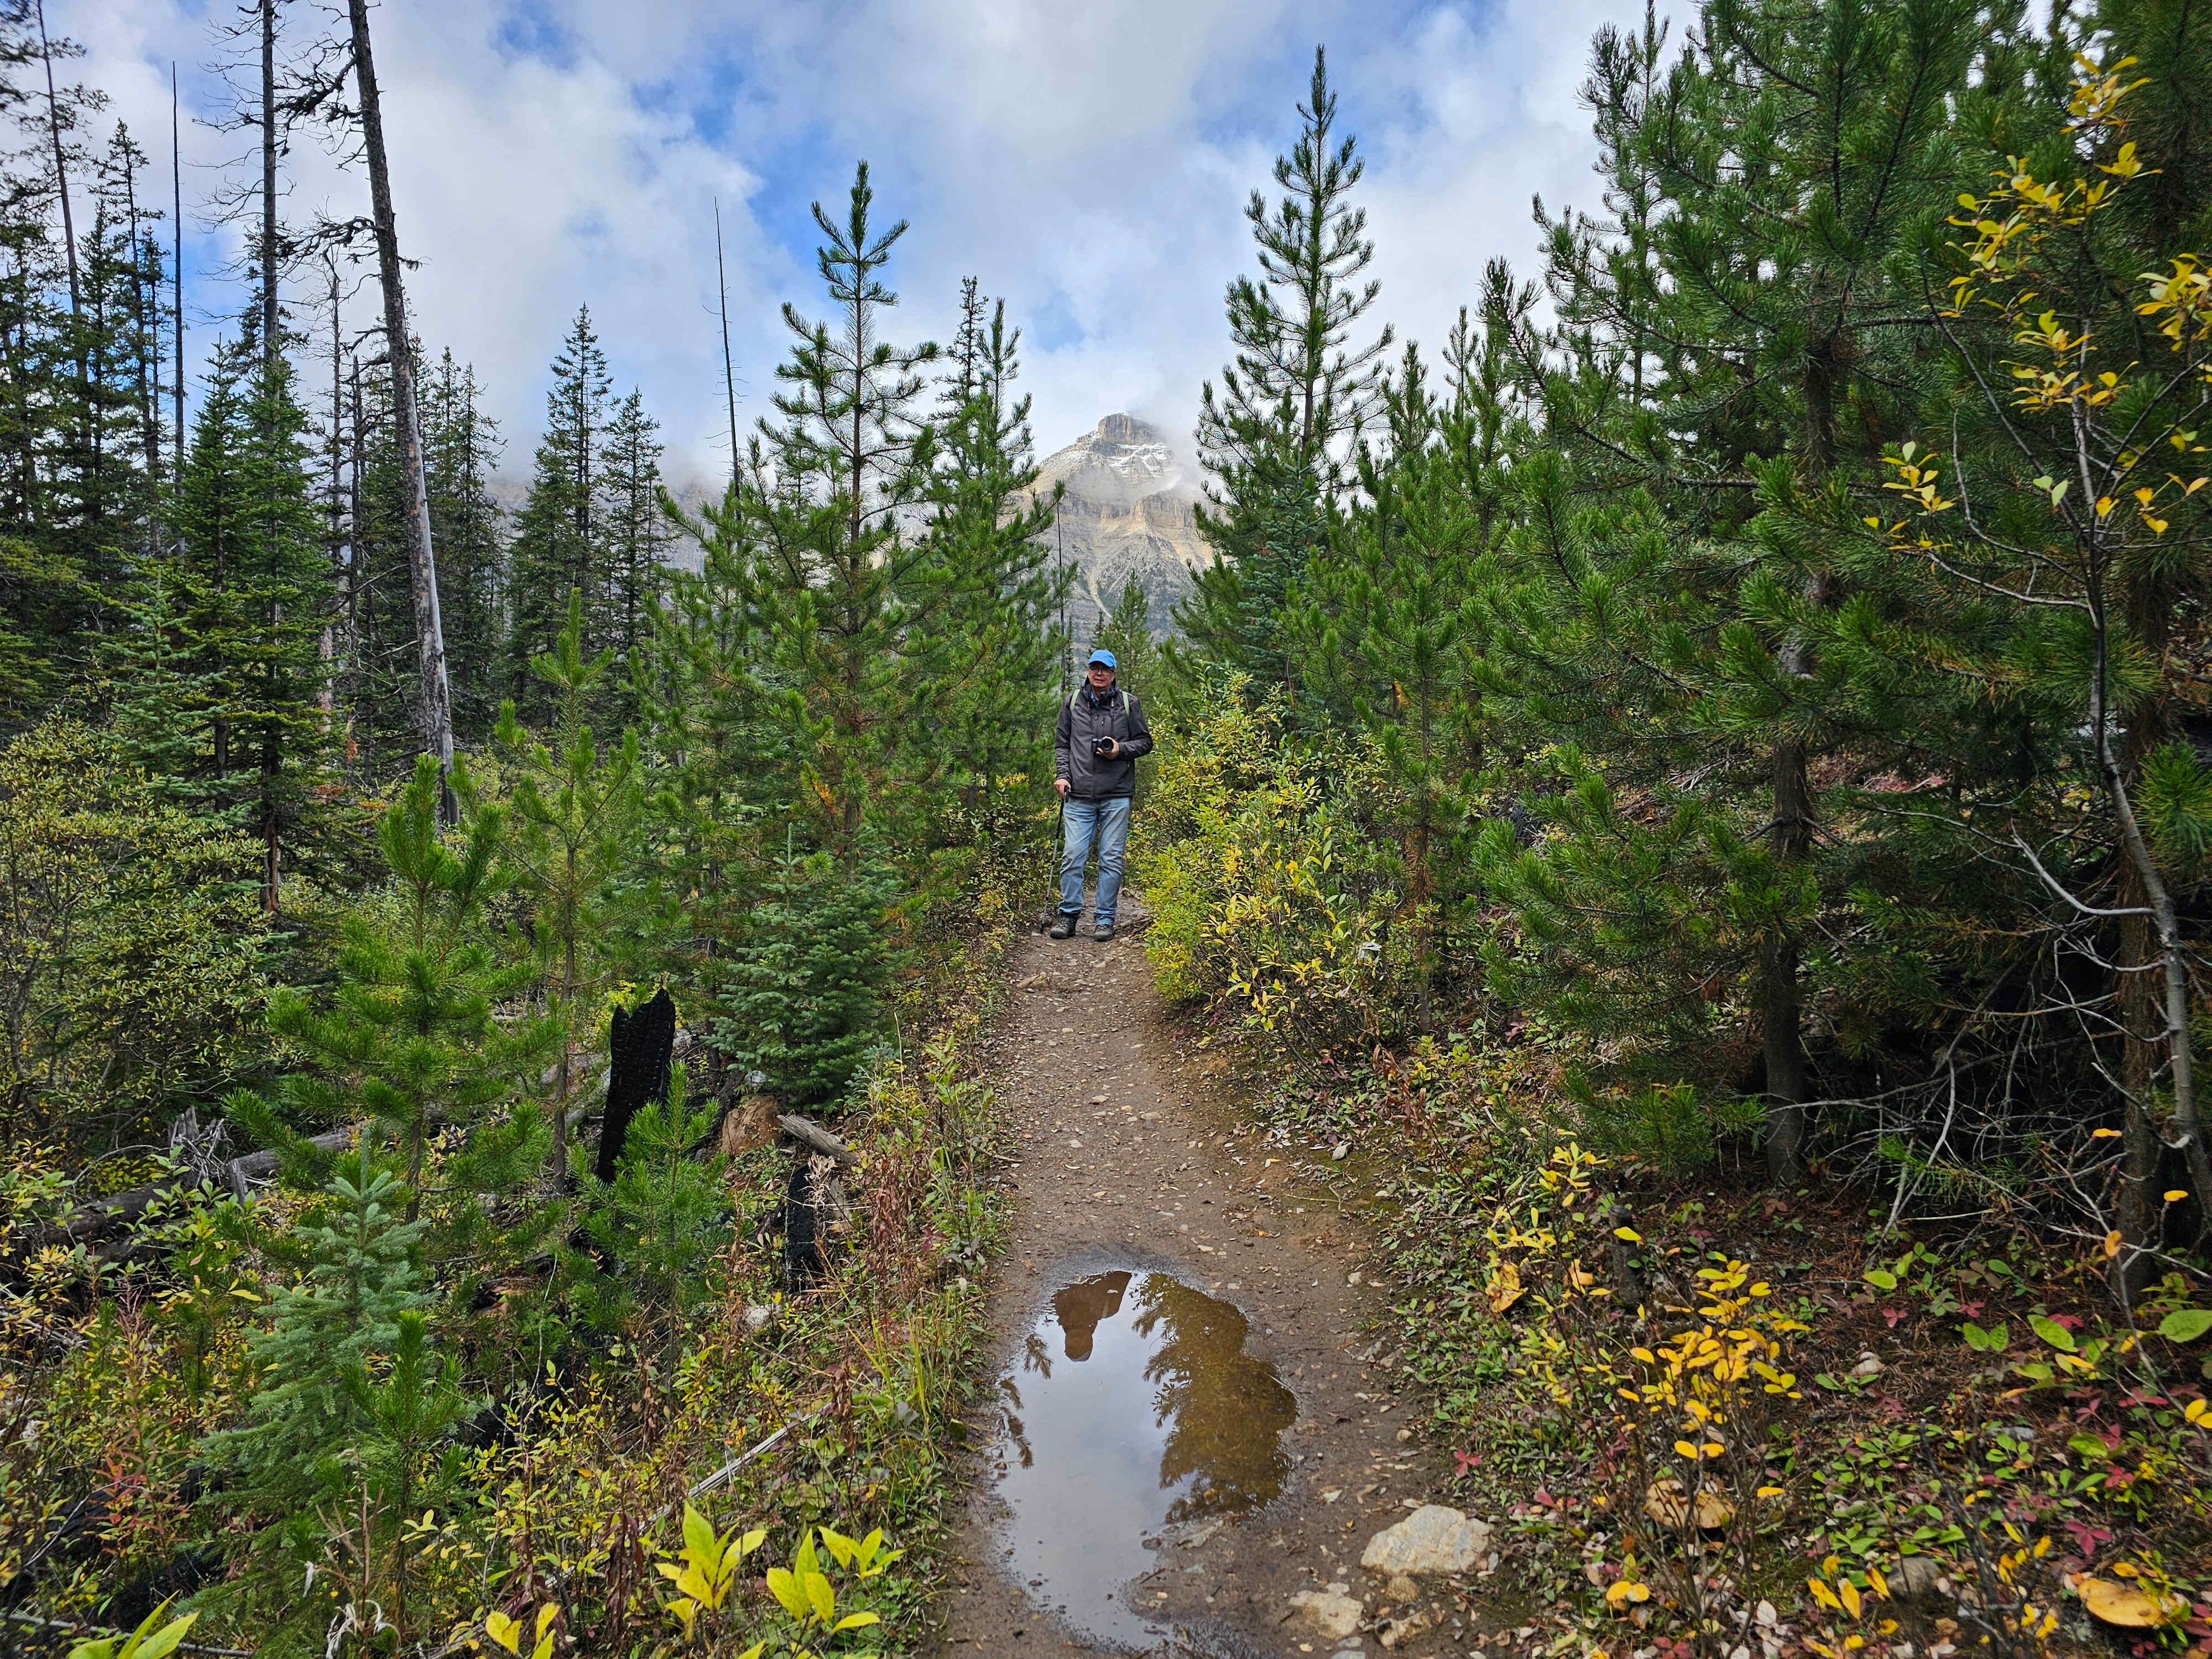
[1130,1178]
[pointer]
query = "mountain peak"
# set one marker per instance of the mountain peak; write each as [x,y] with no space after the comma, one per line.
[1129,509]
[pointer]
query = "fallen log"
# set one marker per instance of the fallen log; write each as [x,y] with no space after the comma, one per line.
[96,1221]
[808,1133]
[92,1222]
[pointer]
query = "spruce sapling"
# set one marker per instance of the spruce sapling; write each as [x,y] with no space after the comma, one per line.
[657,1221]
[572,810]
[404,1415]
[802,989]
[361,1282]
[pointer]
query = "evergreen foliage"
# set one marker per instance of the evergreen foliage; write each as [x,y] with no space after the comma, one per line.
[413,1039]
[799,994]
[462,448]
[1274,437]
[1745,688]
[361,1281]
[560,533]
[403,1463]
[1389,619]
[574,816]
[639,538]
[658,1220]
[1127,631]
[255,596]
[980,637]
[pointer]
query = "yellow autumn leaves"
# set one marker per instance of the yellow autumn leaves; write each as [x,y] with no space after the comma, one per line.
[705,1574]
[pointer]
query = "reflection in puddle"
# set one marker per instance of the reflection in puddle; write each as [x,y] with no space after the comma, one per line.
[1133,1406]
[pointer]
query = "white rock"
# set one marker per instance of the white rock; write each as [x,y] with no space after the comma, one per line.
[1869,1365]
[1330,1612]
[1431,1540]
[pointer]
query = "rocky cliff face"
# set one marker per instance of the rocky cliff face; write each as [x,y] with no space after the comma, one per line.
[1129,507]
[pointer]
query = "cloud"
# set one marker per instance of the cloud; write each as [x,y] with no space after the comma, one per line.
[1090,163]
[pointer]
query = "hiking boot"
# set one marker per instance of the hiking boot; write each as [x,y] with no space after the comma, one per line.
[1105,933]
[1063,925]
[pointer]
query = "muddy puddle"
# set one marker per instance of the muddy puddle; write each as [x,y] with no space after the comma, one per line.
[1131,1411]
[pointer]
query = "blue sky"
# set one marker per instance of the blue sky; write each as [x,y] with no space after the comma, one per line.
[1089,163]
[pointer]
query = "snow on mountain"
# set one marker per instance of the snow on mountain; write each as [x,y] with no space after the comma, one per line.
[1129,507]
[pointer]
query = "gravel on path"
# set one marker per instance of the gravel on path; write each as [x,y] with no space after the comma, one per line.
[1128,1157]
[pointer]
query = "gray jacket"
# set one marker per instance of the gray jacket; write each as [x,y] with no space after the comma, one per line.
[1085,718]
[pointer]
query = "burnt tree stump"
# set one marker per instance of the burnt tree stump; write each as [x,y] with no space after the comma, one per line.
[640,1044]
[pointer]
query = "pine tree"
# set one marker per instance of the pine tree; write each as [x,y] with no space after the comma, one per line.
[462,447]
[1390,621]
[412,1039]
[376,652]
[406,1410]
[638,539]
[809,565]
[798,993]
[1273,436]
[77,475]
[560,532]
[658,1218]
[257,595]
[1733,336]
[2169,120]
[574,814]
[980,639]
[157,685]
[361,1281]
[1127,631]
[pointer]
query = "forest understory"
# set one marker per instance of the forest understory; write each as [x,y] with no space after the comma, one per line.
[1682,802]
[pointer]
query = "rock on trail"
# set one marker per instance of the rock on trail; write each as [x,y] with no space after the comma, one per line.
[1431,1540]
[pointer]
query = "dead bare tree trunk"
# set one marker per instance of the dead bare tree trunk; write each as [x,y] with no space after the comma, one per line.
[729,367]
[436,693]
[269,186]
[146,301]
[177,276]
[334,538]
[271,356]
[61,171]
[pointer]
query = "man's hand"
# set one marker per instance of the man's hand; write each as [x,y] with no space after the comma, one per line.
[1113,752]
[1060,784]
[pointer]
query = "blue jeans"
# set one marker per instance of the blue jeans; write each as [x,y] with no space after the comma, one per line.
[1106,822]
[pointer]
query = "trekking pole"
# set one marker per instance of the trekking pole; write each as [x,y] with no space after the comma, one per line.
[1059,846]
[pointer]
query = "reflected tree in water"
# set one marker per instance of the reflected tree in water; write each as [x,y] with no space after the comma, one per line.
[1226,1410]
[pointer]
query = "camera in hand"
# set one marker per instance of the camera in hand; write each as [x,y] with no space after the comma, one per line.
[1102,748]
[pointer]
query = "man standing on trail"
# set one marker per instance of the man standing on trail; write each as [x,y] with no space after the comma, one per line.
[1102,733]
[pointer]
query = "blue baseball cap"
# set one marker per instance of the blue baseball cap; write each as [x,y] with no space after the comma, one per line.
[1104,656]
